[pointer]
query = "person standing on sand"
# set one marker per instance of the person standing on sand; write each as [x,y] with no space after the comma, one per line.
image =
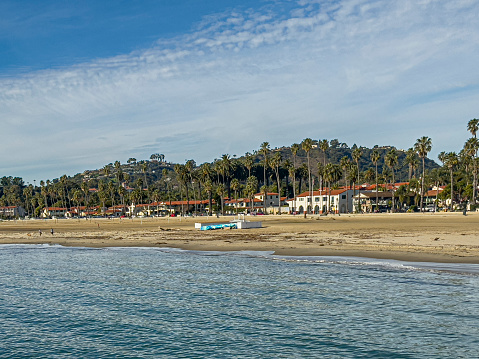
[51,231]
[40,232]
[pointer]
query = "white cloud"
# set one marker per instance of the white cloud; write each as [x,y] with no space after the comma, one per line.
[366,72]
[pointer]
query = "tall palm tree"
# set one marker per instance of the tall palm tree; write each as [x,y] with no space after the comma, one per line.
[375,156]
[226,166]
[182,177]
[111,190]
[208,186]
[122,192]
[27,193]
[451,161]
[294,151]
[352,177]
[235,185]
[221,191]
[332,174]
[85,188]
[423,146]
[470,148]
[307,145]
[77,197]
[275,163]
[391,161]
[264,150]
[345,164]
[411,161]
[323,146]
[156,196]
[356,154]
[292,174]
[248,161]
[250,189]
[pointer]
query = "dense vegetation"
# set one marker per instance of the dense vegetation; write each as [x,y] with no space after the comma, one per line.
[293,169]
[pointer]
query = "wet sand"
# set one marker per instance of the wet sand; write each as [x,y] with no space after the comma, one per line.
[429,237]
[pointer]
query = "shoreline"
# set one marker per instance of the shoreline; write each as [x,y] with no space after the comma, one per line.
[438,237]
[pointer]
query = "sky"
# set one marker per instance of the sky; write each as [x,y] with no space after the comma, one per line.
[86,83]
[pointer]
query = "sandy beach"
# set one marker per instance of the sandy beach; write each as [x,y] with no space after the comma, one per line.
[432,237]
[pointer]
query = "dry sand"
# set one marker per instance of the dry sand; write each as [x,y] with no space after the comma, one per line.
[436,237]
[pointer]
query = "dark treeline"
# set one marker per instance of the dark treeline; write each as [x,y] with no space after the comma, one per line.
[290,170]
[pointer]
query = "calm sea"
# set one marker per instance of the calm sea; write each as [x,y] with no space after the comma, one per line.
[58,302]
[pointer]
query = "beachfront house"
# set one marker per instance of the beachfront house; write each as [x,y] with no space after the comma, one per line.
[49,212]
[323,201]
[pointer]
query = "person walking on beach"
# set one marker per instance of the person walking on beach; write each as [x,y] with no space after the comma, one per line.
[51,231]
[40,232]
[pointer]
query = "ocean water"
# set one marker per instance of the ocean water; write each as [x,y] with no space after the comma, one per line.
[58,302]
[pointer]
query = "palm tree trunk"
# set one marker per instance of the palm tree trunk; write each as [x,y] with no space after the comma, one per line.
[452,188]
[377,198]
[392,193]
[309,174]
[422,184]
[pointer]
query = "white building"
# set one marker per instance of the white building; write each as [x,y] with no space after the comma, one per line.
[324,201]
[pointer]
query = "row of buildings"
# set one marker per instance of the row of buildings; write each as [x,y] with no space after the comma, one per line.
[343,200]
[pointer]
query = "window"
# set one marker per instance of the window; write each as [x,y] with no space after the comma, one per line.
[325,199]
[316,199]
[343,196]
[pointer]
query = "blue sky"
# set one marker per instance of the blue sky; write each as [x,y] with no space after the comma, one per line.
[85,83]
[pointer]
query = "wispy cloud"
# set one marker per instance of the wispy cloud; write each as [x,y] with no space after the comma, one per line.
[363,71]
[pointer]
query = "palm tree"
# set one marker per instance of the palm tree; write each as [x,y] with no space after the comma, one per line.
[248,161]
[235,185]
[204,175]
[356,154]
[85,188]
[352,177]
[391,161]
[332,174]
[294,151]
[369,176]
[411,161]
[77,197]
[27,193]
[155,196]
[188,171]
[221,191]
[275,163]
[345,164]
[111,190]
[264,150]
[292,174]
[182,177]
[122,192]
[307,145]
[44,193]
[251,185]
[423,146]
[226,166]
[375,156]
[451,161]
[208,186]
[323,146]
[470,148]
